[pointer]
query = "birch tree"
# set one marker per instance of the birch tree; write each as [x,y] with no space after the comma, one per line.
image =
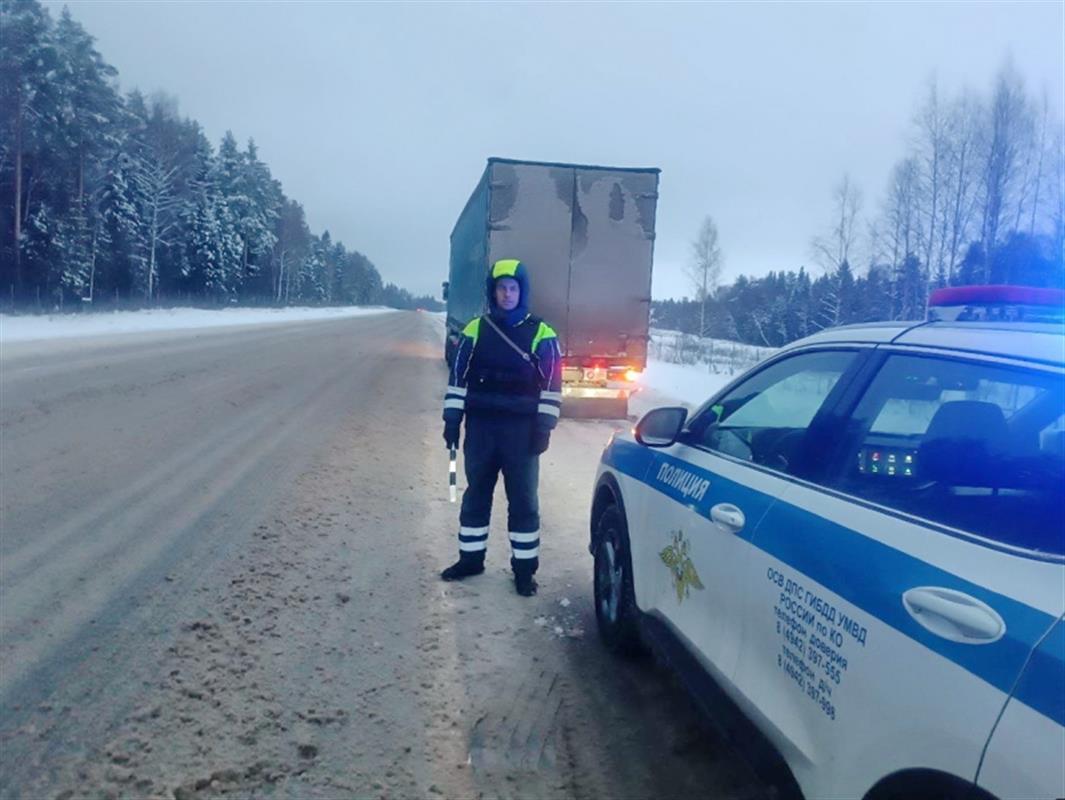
[835,251]
[1006,129]
[933,143]
[704,269]
[961,177]
[155,183]
[1040,145]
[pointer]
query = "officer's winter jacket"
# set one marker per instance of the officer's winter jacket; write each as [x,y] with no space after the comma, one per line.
[488,376]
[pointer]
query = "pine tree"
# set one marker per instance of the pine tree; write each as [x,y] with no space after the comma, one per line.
[29,105]
[264,208]
[910,289]
[120,228]
[292,245]
[89,103]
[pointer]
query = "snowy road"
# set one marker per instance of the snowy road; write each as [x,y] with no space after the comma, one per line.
[218,572]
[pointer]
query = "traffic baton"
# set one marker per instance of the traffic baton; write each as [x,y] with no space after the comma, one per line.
[452,471]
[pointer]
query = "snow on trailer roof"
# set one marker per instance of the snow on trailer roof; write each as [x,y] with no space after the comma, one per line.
[564,165]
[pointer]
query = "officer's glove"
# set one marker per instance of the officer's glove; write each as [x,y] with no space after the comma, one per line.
[540,440]
[451,434]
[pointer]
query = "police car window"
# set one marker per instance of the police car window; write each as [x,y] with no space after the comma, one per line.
[902,415]
[975,446]
[764,419]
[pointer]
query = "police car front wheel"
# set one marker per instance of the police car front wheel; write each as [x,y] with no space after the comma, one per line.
[615,603]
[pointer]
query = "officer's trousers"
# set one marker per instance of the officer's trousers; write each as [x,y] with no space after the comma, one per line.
[494,444]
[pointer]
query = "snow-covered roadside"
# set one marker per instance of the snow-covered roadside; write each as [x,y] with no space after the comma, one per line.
[439,326]
[705,366]
[63,326]
[663,383]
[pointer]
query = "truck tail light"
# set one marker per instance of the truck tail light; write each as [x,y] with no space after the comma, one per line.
[625,373]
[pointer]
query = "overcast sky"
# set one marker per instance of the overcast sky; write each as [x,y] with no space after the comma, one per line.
[378,118]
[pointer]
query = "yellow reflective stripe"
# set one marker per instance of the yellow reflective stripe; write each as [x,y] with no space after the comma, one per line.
[473,329]
[507,268]
[545,331]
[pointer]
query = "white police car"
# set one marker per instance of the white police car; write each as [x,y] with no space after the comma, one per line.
[862,542]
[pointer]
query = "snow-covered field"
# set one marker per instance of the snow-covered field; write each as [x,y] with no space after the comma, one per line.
[61,326]
[718,356]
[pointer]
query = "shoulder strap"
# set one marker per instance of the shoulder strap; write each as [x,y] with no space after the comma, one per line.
[507,339]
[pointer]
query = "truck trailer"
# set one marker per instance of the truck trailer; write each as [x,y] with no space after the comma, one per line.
[586,235]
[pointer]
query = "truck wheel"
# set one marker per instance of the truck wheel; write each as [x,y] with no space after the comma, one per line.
[615,600]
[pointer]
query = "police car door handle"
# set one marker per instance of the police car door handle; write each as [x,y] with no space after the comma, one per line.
[728,517]
[954,615]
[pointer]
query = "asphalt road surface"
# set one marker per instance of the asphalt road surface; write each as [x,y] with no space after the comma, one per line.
[218,577]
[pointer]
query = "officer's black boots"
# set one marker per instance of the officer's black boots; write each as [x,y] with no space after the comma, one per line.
[467,565]
[525,585]
[524,569]
[473,564]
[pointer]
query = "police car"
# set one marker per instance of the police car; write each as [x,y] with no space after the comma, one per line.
[861,542]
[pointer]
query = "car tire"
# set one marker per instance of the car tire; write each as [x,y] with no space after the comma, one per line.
[615,599]
[927,785]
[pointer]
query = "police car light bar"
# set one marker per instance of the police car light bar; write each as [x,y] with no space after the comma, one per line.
[1000,303]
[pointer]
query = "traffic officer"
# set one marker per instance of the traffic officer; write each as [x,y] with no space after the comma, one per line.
[506,379]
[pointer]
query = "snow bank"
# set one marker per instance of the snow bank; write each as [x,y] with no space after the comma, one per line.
[689,369]
[439,324]
[686,383]
[60,326]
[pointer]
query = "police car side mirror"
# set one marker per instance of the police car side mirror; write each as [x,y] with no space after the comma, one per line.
[661,427]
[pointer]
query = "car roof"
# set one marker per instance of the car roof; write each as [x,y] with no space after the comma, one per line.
[1028,341]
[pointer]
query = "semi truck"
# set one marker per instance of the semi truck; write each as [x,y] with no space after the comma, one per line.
[586,235]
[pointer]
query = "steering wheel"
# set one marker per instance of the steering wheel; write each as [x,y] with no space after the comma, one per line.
[734,444]
[781,448]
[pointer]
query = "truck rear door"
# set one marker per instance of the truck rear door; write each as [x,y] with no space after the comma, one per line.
[610,264]
[530,218]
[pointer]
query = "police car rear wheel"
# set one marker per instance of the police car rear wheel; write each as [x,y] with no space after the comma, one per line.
[615,603]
